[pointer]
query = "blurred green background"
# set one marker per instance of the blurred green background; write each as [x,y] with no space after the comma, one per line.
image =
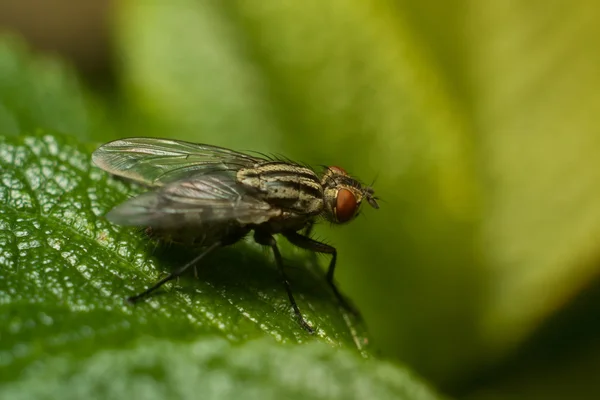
[478,119]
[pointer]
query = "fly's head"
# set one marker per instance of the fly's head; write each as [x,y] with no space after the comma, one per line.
[343,195]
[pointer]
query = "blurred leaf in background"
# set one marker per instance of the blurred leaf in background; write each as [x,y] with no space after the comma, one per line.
[479,122]
[40,92]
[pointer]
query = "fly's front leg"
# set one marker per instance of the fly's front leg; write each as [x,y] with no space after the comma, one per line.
[268,240]
[316,246]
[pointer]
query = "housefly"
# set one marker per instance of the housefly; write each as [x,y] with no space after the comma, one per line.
[211,196]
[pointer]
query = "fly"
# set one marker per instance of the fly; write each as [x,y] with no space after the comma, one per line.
[211,197]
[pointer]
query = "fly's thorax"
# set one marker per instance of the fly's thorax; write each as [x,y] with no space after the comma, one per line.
[285,185]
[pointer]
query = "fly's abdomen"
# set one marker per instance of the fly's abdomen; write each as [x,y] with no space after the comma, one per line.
[192,236]
[285,185]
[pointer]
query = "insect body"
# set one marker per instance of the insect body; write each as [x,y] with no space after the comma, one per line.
[211,196]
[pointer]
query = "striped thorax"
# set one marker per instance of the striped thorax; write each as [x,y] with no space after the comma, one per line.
[292,187]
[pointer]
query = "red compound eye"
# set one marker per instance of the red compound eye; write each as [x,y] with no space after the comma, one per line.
[345,205]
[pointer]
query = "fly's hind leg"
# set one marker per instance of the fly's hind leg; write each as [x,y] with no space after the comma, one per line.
[310,244]
[175,274]
[267,239]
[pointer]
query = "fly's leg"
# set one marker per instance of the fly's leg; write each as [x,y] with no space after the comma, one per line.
[310,244]
[307,232]
[267,240]
[175,274]
[309,227]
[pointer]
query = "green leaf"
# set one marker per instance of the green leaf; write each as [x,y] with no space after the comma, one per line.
[65,271]
[216,369]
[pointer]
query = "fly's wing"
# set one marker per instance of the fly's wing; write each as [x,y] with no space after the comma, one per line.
[154,162]
[199,200]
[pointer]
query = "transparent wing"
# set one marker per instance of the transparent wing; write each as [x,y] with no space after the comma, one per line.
[199,200]
[155,162]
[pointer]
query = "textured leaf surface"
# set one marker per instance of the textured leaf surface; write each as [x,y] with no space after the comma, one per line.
[64,272]
[215,369]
